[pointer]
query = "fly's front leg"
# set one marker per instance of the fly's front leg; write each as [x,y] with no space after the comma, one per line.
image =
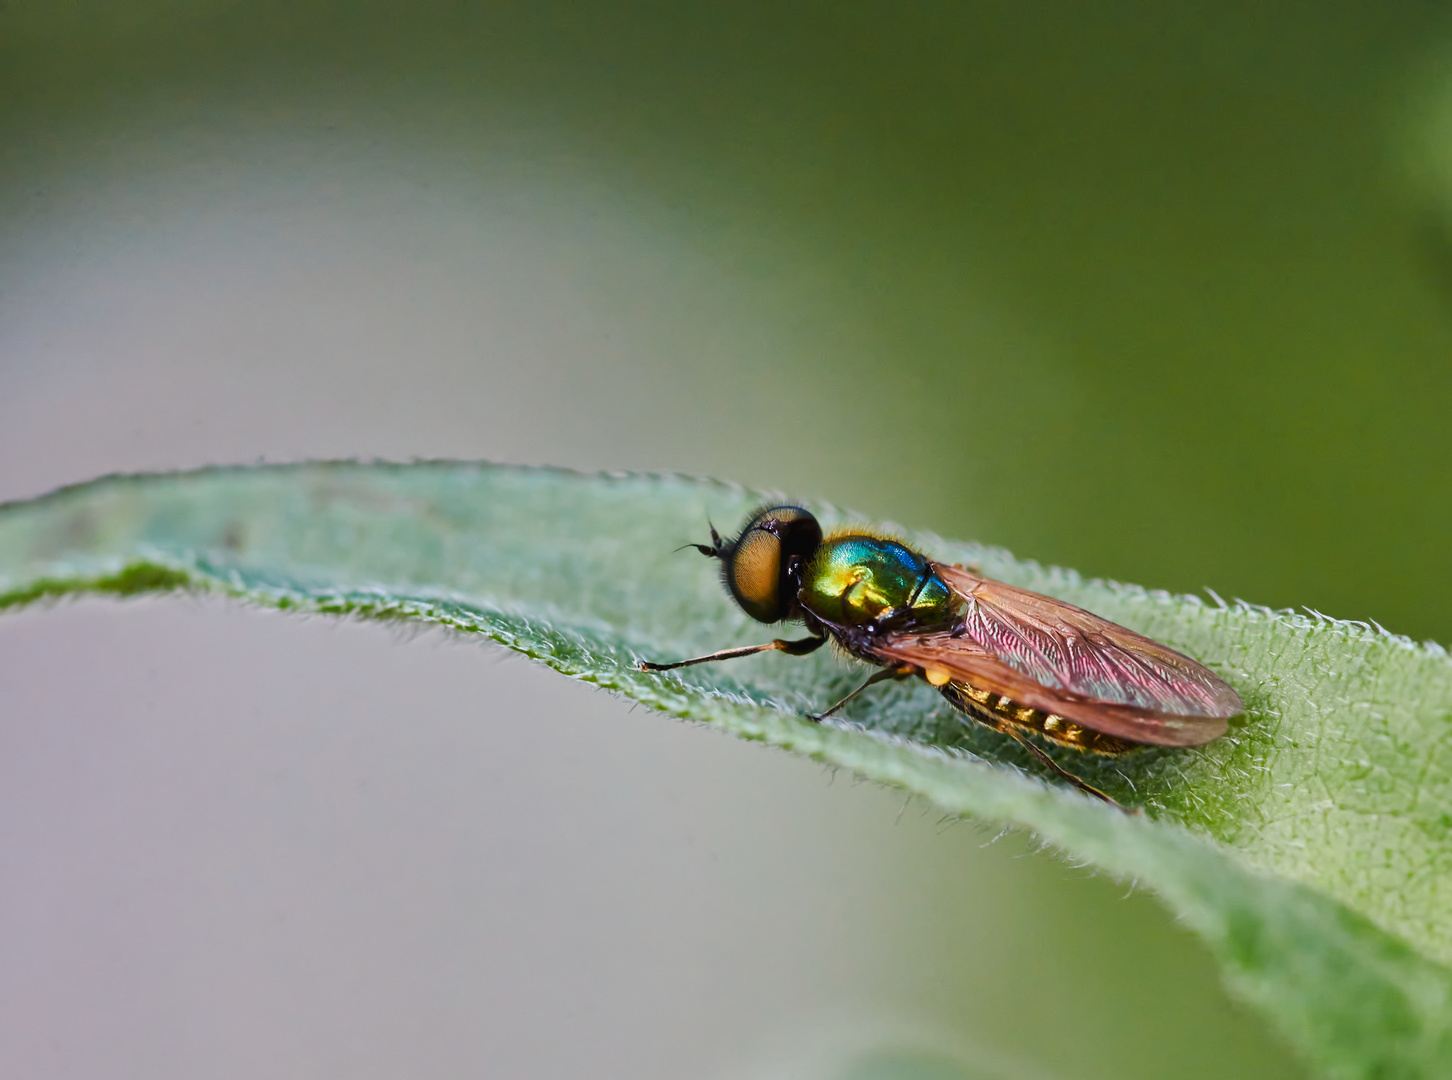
[800,647]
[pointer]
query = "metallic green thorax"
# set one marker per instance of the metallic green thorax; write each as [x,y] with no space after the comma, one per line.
[856,580]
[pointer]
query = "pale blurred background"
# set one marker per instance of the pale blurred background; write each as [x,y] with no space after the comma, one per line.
[1166,297]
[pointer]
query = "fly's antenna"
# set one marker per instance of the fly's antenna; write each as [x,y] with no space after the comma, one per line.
[715,551]
[702,548]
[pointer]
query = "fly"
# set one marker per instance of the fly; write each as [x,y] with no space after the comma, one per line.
[1011,659]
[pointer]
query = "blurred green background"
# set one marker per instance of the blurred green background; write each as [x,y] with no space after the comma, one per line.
[1164,295]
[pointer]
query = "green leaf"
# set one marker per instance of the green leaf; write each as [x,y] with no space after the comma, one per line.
[1309,848]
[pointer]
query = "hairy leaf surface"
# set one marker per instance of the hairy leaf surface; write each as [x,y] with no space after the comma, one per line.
[1310,848]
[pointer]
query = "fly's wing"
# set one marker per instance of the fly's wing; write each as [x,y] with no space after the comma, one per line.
[1064,660]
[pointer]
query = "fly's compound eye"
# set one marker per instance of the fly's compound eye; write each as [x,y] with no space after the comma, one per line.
[766,560]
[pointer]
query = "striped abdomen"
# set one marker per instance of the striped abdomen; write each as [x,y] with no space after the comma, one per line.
[1000,713]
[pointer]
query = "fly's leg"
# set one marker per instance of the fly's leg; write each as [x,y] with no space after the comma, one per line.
[901,671]
[986,708]
[1054,767]
[792,648]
